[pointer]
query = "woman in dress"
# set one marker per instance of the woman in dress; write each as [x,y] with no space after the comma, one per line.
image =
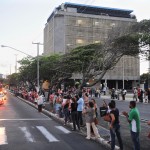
[89,118]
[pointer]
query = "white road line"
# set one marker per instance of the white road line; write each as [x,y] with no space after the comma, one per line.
[48,135]
[63,129]
[26,119]
[3,137]
[27,134]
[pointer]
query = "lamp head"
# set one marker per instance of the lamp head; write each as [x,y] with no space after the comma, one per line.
[3,46]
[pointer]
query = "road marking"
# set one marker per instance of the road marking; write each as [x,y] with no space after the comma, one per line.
[63,129]
[48,135]
[3,137]
[28,135]
[26,119]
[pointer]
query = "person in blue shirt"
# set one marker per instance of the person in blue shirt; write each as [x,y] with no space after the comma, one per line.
[80,108]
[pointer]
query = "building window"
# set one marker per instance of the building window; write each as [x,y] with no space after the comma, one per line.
[113,25]
[79,41]
[96,23]
[80,33]
[79,22]
[96,41]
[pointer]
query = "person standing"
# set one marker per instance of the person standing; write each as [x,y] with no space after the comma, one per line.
[80,108]
[66,110]
[95,107]
[123,93]
[40,101]
[104,90]
[89,112]
[134,121]
[139,94]
[74,114]
[148,93]
[135,94]
[51,97]
[115,126]
[85,98]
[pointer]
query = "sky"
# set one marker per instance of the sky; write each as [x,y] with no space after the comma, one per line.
[22,23]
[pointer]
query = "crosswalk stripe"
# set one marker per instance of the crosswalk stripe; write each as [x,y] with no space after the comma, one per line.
[48,135]
[63,129]
[3,137]
[28,135]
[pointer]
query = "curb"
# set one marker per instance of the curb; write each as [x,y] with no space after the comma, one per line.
[100,140]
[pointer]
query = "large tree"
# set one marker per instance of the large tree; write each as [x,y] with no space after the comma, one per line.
[95,60]
[27,71]
[142,31]
[12,80]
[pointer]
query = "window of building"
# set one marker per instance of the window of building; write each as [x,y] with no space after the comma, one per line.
[96,41]
[96,23]
[113,25]
[79,33]
[79,41]
[79,22]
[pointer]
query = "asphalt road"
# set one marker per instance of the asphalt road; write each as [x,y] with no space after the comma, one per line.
[22,127]
[124,106]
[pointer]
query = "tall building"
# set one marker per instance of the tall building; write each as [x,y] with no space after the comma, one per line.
[71,25]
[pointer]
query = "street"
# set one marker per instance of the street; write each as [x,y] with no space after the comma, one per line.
[124,105]
[22,127]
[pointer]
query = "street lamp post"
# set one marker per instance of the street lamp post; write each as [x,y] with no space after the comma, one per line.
[16,64]
[10,69]
[38,84]
[16,50]
[31,57]
[123,73]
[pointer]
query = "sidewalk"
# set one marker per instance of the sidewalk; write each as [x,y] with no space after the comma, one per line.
[128,96]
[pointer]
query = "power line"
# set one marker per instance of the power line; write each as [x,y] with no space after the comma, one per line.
[87,6]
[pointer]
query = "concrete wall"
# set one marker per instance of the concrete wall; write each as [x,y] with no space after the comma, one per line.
[59,34]
[49,38]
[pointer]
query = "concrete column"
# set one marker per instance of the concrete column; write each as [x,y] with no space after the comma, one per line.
[116,84]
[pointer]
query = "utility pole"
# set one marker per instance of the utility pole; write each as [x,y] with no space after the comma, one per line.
[38,83]
[123,72]
[10,69]
[149,71]
[16,64]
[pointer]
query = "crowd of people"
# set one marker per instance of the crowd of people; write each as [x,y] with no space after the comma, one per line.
[141,95]
[80,108]
[75,108]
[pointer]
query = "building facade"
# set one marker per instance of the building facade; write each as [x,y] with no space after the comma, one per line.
[71,25]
